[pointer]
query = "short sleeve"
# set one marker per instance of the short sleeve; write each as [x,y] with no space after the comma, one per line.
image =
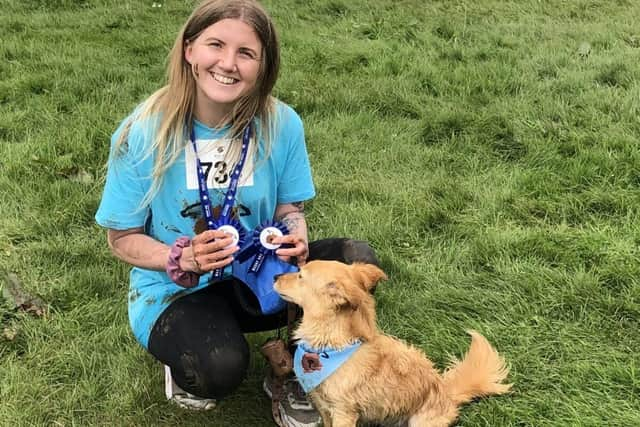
[127,182]
[295,183]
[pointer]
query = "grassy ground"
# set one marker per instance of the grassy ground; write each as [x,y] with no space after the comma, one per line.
[487,149]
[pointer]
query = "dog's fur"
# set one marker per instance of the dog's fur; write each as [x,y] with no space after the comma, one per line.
[385,379]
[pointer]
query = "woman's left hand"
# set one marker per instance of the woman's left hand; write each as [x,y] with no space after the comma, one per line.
[298,248]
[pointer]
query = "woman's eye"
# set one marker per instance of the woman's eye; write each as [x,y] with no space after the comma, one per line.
[246,54]
[215,44]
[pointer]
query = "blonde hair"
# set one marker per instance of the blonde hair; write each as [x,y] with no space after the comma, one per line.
[171,107]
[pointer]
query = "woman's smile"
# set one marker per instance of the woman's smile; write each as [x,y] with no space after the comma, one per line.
[224,79]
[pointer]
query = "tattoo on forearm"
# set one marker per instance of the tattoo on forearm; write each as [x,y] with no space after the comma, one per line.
[292,220]
[293,208]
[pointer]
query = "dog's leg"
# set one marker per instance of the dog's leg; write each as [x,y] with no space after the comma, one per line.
[435,416]
[326,417]
[344,418]
[433,422]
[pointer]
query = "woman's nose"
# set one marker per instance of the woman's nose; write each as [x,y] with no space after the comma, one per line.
[227,60]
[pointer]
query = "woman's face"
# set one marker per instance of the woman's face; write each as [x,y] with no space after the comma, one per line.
[227,55]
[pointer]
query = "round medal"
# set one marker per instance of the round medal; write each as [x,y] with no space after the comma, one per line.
[235,235]
[266,237]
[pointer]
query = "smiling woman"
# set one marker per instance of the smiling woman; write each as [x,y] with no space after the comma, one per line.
[225,59]
[215,138]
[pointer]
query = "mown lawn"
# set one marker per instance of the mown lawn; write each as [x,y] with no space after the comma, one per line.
[487,149]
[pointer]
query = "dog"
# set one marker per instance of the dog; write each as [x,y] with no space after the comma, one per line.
[381,379]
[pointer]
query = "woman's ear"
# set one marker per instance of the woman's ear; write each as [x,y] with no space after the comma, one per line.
[188,54]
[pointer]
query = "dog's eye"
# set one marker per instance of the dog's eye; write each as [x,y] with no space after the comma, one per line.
[299,276]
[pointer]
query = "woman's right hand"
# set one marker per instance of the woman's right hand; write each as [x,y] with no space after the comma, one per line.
[209,250]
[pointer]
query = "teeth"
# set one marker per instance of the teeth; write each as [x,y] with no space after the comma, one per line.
[223,79]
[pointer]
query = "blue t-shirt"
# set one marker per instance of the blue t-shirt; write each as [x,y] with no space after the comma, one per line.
[283,177]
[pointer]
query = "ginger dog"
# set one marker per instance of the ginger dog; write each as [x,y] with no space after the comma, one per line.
[382,379]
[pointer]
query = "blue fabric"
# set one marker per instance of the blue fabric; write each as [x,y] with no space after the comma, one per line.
[283,177]
[330,360]
[261,283]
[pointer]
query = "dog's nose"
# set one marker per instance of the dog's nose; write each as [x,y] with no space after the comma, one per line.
[277,276]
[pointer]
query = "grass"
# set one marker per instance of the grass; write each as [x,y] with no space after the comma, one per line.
[488,151]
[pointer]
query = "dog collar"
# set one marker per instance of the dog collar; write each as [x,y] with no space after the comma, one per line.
[312,366]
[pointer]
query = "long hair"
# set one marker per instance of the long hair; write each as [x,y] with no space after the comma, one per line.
[172,106]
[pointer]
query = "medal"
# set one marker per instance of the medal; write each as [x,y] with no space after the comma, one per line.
[261,244]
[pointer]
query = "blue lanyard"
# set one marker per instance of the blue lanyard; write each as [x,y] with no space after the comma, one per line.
[224,222]
[230,196]
[259,248]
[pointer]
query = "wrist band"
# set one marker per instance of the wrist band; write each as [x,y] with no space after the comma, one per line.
[186,279]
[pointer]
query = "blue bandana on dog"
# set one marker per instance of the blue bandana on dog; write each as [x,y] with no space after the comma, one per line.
[313,366]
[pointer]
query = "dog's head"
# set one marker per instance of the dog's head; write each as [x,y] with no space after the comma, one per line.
[325,289]
[330,284]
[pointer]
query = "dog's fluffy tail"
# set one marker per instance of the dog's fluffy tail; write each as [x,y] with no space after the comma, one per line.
[479,373]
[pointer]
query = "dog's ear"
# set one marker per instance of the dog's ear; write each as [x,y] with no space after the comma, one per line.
[337,294]
[367,275]
[344,297]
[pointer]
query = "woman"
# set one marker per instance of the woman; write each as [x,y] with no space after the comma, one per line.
[173,210]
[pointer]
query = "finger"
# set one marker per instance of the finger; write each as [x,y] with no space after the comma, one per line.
[223,243]
[202,250]
[215,260]
[295,251]
[214,254]
[209,235]
[220,254]
[299,253]
[288,238]
[212,264]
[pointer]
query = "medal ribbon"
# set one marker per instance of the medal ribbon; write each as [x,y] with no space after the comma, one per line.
[260,247]
[230,195]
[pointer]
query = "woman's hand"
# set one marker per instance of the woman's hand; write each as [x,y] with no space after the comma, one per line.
[298,248]
[209,250]
[292,215]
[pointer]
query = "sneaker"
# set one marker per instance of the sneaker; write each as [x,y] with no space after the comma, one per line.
[295,408]
[184,399]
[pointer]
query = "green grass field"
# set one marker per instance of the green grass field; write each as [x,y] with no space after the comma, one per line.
[487,149]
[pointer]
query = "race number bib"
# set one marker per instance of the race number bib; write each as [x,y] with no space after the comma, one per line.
[216,169]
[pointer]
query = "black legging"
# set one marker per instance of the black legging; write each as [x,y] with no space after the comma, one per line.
[200,336]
